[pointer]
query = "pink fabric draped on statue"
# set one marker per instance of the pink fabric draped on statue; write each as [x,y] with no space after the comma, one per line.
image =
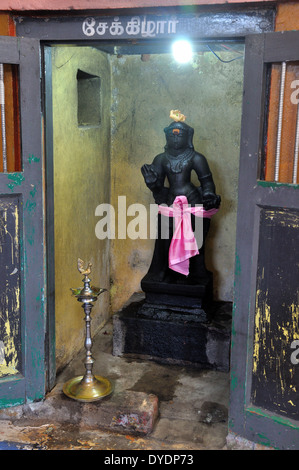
[183,244]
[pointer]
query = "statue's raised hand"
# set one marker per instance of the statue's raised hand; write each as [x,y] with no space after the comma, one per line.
[149,174]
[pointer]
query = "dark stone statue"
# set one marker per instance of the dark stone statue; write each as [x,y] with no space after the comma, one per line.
[177,320]
[176,164]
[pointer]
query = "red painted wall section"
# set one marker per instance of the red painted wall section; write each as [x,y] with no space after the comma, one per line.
[41,5]
[7,26]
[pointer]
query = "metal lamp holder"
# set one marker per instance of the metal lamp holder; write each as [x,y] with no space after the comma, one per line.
[88,387]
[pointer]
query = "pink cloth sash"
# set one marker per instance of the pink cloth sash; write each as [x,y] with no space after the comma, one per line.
[183,244]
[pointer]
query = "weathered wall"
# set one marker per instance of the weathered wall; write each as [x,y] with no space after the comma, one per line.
[209,93]
[81,182]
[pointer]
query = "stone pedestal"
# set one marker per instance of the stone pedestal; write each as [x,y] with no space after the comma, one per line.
[193,299]
[190,335]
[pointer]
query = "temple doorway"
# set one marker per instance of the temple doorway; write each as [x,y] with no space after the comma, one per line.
[109,112]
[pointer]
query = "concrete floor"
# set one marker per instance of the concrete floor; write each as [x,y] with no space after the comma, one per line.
[192,408]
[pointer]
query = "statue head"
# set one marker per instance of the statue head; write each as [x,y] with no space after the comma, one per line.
[179,136]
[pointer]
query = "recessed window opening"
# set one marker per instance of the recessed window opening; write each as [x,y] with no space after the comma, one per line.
[89,99]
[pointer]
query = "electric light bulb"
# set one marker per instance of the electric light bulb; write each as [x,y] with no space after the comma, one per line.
[182,51]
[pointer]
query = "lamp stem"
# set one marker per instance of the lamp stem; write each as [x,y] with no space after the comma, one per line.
[88,343]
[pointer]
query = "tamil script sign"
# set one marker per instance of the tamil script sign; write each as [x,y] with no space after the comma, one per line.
[199,25]
[128,27]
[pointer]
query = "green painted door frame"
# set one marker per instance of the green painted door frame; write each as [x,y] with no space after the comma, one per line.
[264,406]
[23,280]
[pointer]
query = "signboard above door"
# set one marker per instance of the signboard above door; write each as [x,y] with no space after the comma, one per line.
[237,23]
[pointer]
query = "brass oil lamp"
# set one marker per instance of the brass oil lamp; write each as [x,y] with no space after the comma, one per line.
[88,387]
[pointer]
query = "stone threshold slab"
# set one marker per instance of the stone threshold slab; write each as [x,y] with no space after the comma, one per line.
[126,412]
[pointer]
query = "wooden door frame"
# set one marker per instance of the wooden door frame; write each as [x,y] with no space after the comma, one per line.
[26,187]
[246,420]
[46,60]
[65,30]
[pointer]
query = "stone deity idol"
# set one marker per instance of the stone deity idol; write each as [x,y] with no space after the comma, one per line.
[176,164]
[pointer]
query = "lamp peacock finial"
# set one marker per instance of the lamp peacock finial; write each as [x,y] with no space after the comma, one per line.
[81,268]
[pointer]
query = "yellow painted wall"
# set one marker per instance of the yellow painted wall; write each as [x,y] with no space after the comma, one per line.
[81,182]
